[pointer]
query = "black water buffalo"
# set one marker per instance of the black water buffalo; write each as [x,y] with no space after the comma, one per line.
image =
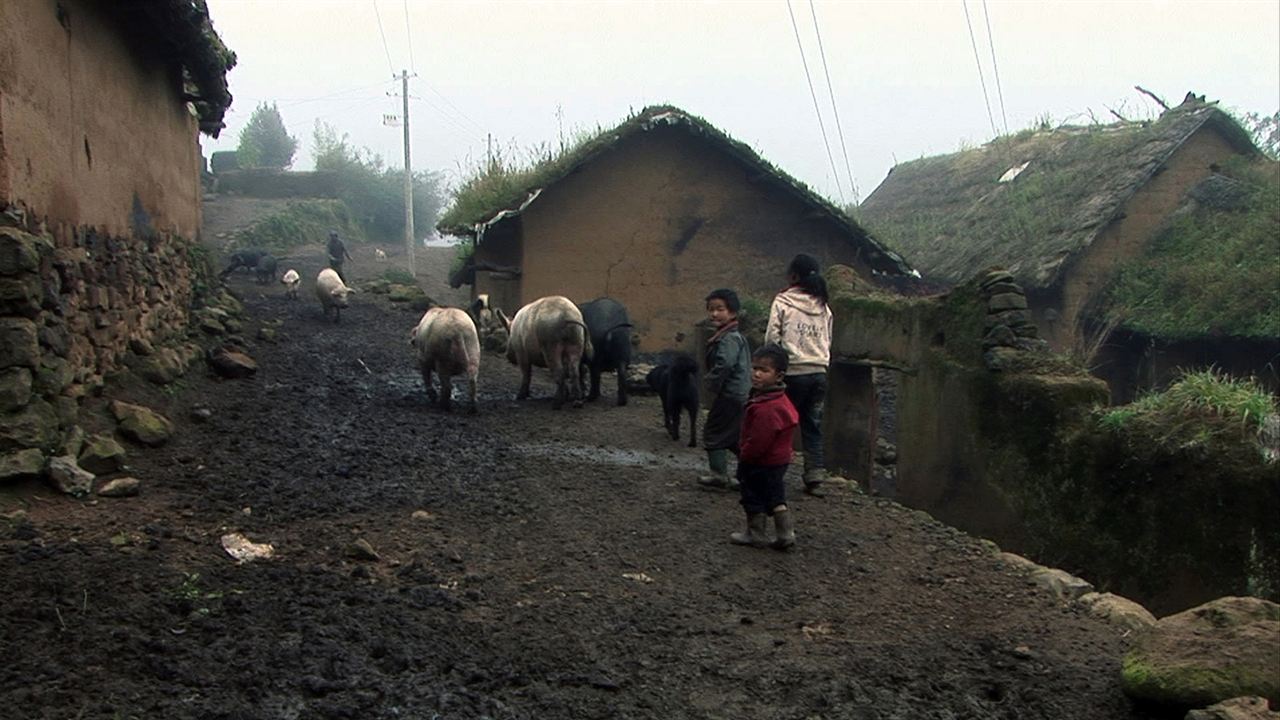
[610,331]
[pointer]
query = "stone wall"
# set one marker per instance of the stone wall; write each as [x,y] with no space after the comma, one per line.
[264,183]
[71,307]
[1001,438]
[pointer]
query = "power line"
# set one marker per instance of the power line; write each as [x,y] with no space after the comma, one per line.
[992,44]
[981,77]
[457,109]
[378,15]
[821,126]
[853,188]
[409,37]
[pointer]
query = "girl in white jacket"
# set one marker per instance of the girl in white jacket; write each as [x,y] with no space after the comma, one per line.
[800,322]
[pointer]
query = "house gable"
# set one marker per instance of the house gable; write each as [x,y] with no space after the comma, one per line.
[661,220]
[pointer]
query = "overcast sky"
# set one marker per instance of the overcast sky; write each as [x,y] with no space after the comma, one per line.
[903,74]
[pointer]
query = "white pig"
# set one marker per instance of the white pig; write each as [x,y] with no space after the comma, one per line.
[446,342]
[332,293]
[549,332]
[291,281]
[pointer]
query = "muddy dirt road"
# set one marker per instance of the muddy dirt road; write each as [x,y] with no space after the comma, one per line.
[533,564]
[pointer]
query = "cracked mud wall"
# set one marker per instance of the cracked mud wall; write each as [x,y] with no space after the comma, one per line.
[89,125]
[659,221]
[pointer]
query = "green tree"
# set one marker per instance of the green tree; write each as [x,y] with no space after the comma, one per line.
[264,141]
[374,192]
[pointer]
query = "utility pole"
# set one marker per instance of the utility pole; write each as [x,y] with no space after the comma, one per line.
[408,176]
[488,138]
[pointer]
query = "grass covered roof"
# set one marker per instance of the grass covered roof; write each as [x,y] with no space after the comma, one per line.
[180,32]
[1031,200]
[499,193]
[1213,270]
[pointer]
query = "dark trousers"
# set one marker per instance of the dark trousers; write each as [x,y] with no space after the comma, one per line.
[762,487]
[336,265]
[809,393]
[724,421]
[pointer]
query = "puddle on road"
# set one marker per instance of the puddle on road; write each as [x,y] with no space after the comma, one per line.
[609,456]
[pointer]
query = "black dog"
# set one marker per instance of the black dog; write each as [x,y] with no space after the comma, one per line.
[677,384]
[247,259]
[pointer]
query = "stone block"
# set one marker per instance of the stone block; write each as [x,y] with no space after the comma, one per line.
[15,388]
[1006,301]
[1241,708]
[21,295]
[20,251]
[18,344]
[121,487]
[55,338]
[54,375]
[102,454]
[34,426]
[141,424]
[1062,584]
[232,364]
[21,465]
[1223,649]
[68,477]
[162,367]
[67,410]
[73,442]
[1121,612]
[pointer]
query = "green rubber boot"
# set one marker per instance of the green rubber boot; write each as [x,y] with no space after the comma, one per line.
[757,534]
[784,529]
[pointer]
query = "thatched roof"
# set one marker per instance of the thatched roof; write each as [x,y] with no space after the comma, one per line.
[1213,269]
[492,198]
[180,33]
[1029,201]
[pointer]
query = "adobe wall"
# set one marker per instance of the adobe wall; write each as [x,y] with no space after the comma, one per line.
[89,126]
[99,211]
[1143,214]
[659,221]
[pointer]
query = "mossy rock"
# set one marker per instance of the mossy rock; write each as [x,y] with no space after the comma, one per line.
[380,286]
[405,293]
[15,388]
[102,455]
[1220,650]
[141,424]
[22,465]
[34,426]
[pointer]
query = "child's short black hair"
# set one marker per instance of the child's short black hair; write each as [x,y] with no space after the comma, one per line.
[729,297]
[776,355]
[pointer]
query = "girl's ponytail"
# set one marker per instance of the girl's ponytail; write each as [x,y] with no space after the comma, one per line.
[809,276]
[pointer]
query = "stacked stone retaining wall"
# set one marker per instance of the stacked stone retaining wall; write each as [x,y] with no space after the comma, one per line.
[71,305]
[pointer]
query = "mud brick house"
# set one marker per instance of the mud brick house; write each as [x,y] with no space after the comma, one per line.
[101,105]
[655,212]
[1093,223]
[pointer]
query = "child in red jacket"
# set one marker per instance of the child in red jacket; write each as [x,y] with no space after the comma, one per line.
[765,452]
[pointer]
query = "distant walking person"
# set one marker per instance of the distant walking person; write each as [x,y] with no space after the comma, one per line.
[337,254]
[800,322]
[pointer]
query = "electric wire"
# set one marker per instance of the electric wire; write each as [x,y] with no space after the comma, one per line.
[996,66]
[408,34]
[386,49]
[457,110]
[981,76]
[853,187]
[821,126]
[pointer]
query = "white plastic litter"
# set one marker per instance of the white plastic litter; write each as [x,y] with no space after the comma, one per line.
[243,550]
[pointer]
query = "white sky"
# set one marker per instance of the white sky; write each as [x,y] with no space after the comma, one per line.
[903,73]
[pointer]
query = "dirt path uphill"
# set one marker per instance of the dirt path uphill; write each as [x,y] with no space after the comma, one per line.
[531,564]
